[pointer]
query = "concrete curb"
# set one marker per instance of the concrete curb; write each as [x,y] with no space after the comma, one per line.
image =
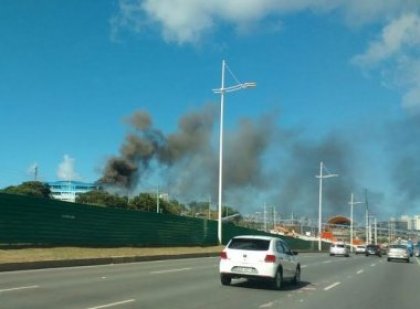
[99,261]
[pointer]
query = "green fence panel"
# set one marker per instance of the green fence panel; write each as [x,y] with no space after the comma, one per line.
[25,220]
[35,221]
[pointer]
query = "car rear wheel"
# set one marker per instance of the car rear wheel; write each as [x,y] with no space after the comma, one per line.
[296,278]
[225,280]
[278,280]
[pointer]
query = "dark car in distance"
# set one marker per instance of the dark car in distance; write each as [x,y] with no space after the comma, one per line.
[373,250]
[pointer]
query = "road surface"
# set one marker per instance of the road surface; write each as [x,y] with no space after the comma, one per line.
[327,282]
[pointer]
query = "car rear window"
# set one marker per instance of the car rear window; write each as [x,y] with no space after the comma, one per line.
[397,247]
[249,244]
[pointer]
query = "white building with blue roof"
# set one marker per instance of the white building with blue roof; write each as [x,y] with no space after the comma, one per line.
[67,190]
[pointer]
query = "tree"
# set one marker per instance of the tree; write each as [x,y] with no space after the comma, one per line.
[30,188]
[175,207]
[228,211]
[102,198]
[199,208]
[144,202]
[148,202]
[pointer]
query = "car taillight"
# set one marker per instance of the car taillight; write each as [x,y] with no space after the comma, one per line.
[269,258]
[223,255]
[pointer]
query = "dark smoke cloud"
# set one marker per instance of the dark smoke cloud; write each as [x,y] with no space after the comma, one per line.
[192,138]
[135,154]
[298,188]
[262,163]
[146,144]
[404,146]
[245,148]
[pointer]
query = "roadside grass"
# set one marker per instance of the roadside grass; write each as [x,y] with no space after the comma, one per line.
[67,253]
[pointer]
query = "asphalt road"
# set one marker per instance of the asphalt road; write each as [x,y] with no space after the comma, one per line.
[327,282]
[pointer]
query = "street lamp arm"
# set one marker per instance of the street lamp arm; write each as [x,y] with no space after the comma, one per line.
[326,176]
[235,88]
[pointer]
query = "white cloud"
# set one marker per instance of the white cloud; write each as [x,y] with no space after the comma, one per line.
[66,169]
[410,69]
[398,36]
[130,16]
[396,54]
[360,12]
[187,21]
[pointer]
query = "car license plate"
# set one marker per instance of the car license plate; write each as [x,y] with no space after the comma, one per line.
[244,270]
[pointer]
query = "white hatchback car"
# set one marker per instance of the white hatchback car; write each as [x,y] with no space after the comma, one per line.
[259,257]
[360,249]
[339,248]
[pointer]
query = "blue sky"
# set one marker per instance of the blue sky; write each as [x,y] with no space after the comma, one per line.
[336,82]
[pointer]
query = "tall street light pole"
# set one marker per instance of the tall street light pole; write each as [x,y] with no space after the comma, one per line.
[352,203]
[321,176]
[222,90]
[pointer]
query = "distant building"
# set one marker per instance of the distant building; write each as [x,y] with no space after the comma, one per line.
[408,220]
[399,224]
[68,190]
[416,223]
[413,223]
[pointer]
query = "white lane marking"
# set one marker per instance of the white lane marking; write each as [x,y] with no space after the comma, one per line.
[372,265]
[175,270]
[332,286]
[326,262]
[304,266]
[360,271]
[267,305]
[418,261]
[19,288]
[114,304]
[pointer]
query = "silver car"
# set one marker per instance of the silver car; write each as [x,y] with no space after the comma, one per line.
[398,252]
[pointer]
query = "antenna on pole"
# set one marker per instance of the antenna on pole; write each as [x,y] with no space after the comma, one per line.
[33,171]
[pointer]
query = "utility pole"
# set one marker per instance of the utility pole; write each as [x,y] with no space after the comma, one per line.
[36,172]
[352,203]
[367,218]
[157,199]
[376,232]
[274,218]
[321,176]
[265,219]
[209,207]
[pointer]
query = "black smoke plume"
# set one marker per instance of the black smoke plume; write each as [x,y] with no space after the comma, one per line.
[262,162]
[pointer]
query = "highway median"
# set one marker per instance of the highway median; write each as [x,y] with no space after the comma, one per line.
[37,258]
